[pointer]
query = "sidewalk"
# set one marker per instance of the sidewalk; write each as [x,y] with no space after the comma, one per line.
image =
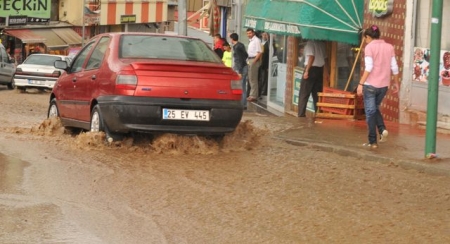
[405,145]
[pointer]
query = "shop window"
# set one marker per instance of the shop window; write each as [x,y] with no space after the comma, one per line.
[423,25]
[421,51]
[345,59]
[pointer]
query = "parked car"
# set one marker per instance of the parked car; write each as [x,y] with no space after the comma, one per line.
[7,68]
[127,82]
[38,71]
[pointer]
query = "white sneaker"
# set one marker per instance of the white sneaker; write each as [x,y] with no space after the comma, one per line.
[384,135]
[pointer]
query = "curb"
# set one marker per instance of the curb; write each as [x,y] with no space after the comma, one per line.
[422,167]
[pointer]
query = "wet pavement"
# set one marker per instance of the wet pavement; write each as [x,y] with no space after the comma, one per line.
[26,216]
[405,145]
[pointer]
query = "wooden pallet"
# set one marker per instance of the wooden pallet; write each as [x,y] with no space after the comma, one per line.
[337,104]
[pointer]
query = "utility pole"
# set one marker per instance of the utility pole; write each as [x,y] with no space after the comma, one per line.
[182,18]
[433,81]
[238,17]
[83,28]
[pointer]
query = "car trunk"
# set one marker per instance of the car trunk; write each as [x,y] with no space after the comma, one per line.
[188,80]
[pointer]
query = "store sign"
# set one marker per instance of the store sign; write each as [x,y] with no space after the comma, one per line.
[381,8]
[281,28]
[250,23]
[127,19]
[17,20]
[36,9]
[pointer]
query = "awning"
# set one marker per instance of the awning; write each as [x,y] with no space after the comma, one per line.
[26,36]
[51,39]
[332,20]
[70,36]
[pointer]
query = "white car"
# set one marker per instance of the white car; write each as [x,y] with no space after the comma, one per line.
[38,71]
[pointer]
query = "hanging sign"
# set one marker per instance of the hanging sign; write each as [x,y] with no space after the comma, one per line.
[381,8]
[128,19]
[17,20]
[282,28]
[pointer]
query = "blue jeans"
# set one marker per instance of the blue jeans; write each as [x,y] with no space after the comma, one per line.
[244,85]
[372,99]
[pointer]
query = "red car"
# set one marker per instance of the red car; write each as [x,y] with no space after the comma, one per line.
[126,82]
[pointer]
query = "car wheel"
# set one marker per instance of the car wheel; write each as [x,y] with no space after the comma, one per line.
[12,84]
[53,109]
[96,120]
[98,125]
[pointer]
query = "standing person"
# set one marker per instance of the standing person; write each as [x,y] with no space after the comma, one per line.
[312,80]
[227,54]
[240,64]
[263,69]
[218,45]
[254,61]
[379,62]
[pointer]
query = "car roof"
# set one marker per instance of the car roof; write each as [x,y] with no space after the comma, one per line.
[144,34]
[52,55]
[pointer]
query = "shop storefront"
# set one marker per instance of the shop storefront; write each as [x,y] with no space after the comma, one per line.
[290,24]
[25,41]
[417,61]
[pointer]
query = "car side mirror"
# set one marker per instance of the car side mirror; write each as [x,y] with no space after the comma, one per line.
[61,64]
[12,60]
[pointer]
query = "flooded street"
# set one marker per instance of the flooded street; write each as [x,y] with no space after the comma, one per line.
[58,186]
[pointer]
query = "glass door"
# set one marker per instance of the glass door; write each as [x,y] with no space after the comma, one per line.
[277,72]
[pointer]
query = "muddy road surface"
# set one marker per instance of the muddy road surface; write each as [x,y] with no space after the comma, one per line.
[70,187]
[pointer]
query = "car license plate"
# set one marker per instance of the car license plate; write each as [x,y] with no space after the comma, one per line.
[180,114]
[38,82]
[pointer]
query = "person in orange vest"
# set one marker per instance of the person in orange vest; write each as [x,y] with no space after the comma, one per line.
[227,58]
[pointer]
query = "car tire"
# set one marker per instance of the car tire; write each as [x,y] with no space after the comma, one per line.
[96,120]
[98,125]
[53,109]
[12,84]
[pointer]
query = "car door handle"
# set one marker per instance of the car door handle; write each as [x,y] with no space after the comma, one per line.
[74,79]
[93,77]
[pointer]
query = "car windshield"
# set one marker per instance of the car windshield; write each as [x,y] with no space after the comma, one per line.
[166,47]
[41,60]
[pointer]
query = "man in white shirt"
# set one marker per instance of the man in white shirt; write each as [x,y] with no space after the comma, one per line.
[312,81]
[254,61]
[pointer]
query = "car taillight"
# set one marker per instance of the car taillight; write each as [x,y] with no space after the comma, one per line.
[126,80]
[236,87]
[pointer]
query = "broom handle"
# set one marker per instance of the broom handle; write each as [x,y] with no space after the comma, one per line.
[354,64]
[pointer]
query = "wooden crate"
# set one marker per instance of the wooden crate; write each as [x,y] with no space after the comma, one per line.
[334,103]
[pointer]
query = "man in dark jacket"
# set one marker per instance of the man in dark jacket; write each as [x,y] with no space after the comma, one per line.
[264,68]
[240,64]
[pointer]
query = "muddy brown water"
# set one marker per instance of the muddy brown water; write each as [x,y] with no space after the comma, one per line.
[64,187]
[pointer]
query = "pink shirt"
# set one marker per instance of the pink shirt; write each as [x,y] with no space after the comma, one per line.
[381,54]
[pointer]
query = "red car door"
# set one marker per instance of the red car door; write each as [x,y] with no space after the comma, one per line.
[68,94]
[63,90]
[91,74]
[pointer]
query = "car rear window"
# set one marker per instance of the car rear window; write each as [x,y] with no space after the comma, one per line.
[166,47]
[41,60]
